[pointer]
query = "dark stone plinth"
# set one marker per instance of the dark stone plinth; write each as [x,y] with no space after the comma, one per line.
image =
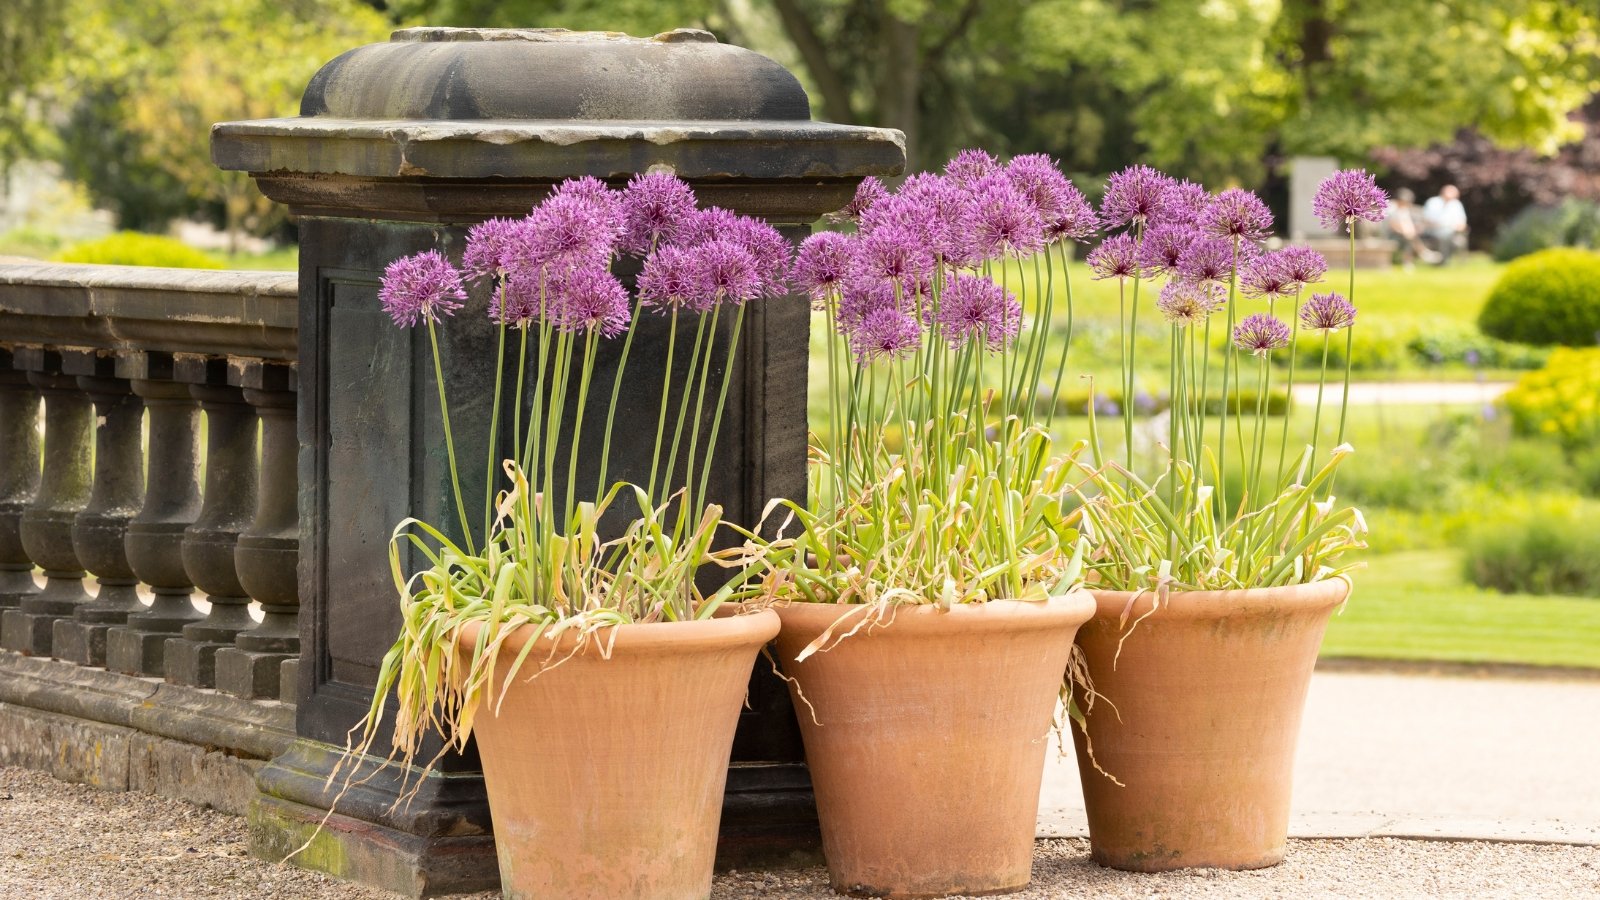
[19,479]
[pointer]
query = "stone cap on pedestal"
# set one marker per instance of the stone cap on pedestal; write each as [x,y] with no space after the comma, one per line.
[455,124]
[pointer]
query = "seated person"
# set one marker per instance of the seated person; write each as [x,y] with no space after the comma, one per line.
[1400,223]
[1445,222]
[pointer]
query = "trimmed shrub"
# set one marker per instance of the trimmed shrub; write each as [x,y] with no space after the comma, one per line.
[132,248]
[1549,547]
[1549,297]
[1571,223]
[1446,343]
[1561,400]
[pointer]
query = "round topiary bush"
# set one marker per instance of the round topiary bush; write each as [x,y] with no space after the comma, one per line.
[132,248]
[1549,297]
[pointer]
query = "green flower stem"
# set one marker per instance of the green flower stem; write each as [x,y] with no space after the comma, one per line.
[685,516]
[532,444]
[1174,413]
[1349,347]
[1227,370]
[611,407]
[1128,391]
[555,412]
[494,420]
[666,392]
[683,411]
[722,402]
[1294,353]
[1322,383]
[589,344]
[449,439]
[1066,343]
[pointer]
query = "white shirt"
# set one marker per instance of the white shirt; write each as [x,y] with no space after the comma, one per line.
[1442,213]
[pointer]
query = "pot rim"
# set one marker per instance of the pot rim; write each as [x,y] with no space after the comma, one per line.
[1071,608]
[743,630]
[1313,595]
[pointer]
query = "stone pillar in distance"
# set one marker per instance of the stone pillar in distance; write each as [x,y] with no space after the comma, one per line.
[400,147]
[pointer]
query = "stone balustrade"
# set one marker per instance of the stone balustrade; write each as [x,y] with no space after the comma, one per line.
[164,462]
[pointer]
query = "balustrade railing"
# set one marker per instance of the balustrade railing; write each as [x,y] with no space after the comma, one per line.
[108,496]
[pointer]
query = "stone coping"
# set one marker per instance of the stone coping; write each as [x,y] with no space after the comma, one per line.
[204,312]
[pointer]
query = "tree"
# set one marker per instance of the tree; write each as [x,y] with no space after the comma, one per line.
[30,31]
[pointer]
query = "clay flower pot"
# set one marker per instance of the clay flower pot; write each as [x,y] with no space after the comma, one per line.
[1199,720]
[928,745]
[605,776]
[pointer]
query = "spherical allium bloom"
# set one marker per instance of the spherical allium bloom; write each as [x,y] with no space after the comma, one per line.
[884,334]
[1186,302]
[868,192]
[1163,246]
[1135,194]
[1303,265]
[592,189]
[420,287]
[654,207]
[770,250]
[930,207]
[970,166]
[973,308]
[1206,259]
[1346,196]
[1001,221]
[518,302]
[1236,213]
[1116,257]
[569,231]
[1040,180]
[669,280]
[893,252]
[1327,312]
[1185,202]
[493,247]
[824,262]
[1075,221]
[589,299]
[1266,277]
[860,298]
[1261,334]
[703,226]
[724,272]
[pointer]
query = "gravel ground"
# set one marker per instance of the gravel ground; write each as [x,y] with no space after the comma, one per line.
[70,841]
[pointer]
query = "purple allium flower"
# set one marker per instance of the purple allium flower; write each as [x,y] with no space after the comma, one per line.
[1327,312]
[703,226]
[1040,180]
[823,263]
[1116,257]
[1001,221]
[589,299]
[593,190]
[1076,219]
[569,231]
[420,287]
[1186,302]
[974,308]
[1261,334]
[893,252]
[868,192]
[1348,195]
[493,246]
[654,207]
[724,272]
[1163,247]
[1206,259]
[931,207]
[1236,213]
[517,302]
[1185,202]
[970,166]
[884,333]
[770,250]
[1135,194]
[1266,277]
[860,298]
[1303,265]
[669,280]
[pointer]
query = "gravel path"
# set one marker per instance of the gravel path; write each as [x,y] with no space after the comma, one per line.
[78,843]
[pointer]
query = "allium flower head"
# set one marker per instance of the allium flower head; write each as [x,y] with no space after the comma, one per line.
[824,262]
[1184,203]
[1266,277]
[725,272]
[1261,334]
[884,334]
[1348,195]
[1236,213]
[1040,180]
[517,303]
[589,299]
[893,252]
[1206,259]
[420,287]
[1001,221]
[931,207]
[493,248]
[868,192]
[1303,265]
[1076,219]
[1163,247]
[595,191]
[1116,257]
[860,298]
[970,166]
[569,231]
[1327,312]
[654,207]
[771,251]
[973,308]
[703,226]
[1135,194]
[1187,303]
[669,280]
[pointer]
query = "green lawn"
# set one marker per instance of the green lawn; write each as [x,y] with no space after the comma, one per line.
[1416,606]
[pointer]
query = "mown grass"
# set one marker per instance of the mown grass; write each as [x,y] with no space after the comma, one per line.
[1417,606]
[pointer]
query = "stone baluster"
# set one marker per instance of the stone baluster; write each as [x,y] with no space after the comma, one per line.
[154,541]
[208,544]
[99,534]
[268,553]
[47,522]
[19,479]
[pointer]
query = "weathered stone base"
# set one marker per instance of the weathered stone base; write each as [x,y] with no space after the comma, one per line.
[27,633]
[80,643]
[192,663]
[138,653]
[250,675]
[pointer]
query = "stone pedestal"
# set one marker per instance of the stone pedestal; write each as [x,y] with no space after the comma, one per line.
[401,147]
[19,479]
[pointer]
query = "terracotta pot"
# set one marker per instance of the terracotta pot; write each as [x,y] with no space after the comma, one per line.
[605,776]
[1198,719]
[929,741]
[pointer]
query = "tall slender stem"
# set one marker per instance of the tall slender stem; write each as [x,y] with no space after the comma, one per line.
[616,390]
[661,417]
[449,439]
[589,345]
[722,402]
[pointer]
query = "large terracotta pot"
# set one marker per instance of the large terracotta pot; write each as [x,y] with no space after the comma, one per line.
[1198,719]
[929,739]
[605,776]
